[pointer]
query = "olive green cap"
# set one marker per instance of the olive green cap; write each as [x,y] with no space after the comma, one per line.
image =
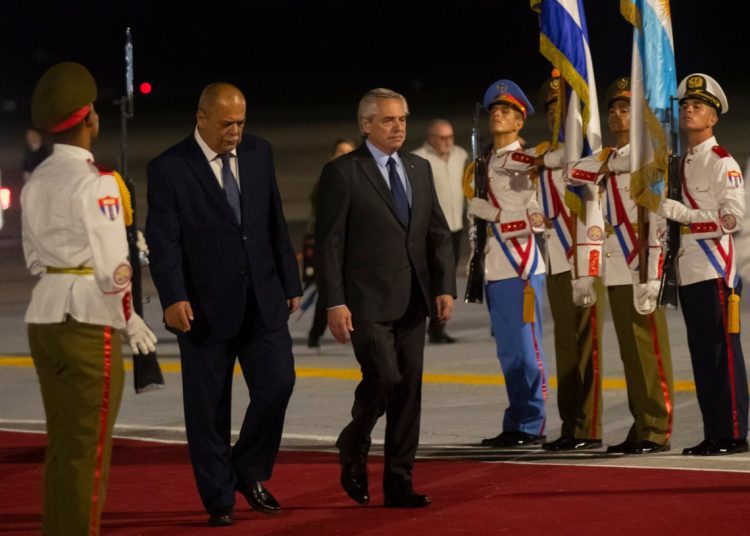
[62,90]
[619,89]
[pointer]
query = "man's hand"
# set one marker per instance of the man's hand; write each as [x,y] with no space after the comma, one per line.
[293,304]
[340,323]
[483,209]
[444,304]
[675,211]
[179,315]
[142,340]
[584,294]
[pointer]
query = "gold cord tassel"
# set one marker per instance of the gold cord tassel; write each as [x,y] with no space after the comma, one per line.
[733,314]
[528,304]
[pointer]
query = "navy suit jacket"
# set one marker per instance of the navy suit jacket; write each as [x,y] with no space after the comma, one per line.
[199,252]
[366,259]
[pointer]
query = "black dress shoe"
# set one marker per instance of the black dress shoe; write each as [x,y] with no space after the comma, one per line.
[441,338]
[223,517]
[722,447]
[408,499]
[572,443]
[354,482]
[626,447]
[648,447]
[699,449]
[514,439]
[259,498]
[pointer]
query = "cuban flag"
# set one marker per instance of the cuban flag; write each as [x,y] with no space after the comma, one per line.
[653,81]
[110,207]
[564,41]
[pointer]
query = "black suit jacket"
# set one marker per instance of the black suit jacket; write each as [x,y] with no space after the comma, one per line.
[366,258]
[201,254]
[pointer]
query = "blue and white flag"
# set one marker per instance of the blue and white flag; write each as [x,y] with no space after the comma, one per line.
[564,41]
[653,81]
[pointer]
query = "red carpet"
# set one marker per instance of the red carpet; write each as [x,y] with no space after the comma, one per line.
[152,493]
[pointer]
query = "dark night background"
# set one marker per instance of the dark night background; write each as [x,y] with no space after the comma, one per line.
[326,53]
[304,66]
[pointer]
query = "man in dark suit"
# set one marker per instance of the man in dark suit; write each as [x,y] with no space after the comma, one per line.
[227,278]
[385,262]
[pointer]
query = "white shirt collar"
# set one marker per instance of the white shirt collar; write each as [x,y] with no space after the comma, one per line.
[207,151]
[704,145]
[72,151]
[511,147]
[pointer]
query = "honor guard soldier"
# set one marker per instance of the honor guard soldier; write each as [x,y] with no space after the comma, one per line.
[514,269]
[641,328]
[74,241]
[711,211]
[578,329]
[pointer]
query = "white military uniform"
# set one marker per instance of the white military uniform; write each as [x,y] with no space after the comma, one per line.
[713,187]
[447,176]
[513,265]
[520,217]
[621,213]
[73,218]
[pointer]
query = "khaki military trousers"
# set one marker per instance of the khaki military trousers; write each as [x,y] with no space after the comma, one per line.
[578,356]
[81,377]
[647,361]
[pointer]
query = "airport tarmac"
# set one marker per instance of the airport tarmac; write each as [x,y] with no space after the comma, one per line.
[463,397]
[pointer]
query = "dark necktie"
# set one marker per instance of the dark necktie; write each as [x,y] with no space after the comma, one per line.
[398,192]
[231,189]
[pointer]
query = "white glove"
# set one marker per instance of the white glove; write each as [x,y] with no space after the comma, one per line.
[483,209]
[584,294]
[674,210]
[645,295]
[140,243]
[142,340]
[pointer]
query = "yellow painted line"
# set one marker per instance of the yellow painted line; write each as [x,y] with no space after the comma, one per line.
[610,384]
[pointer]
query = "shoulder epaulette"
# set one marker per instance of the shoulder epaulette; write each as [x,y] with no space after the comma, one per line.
[102,168]
[720,151]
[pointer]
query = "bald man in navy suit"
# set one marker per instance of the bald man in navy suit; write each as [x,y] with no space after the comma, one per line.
[227,278]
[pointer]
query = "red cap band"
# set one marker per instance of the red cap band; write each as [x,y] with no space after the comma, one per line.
[71,121]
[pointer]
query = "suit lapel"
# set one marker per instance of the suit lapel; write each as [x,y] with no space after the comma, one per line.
[206,178]
[247,165]
[370,168]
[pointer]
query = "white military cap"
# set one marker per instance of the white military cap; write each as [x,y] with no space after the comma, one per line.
[702,87]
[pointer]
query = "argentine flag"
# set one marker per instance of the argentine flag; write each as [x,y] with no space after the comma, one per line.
[653,81]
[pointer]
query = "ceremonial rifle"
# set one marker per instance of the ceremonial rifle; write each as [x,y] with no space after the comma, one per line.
[668,289]
[478,228]
[146,371]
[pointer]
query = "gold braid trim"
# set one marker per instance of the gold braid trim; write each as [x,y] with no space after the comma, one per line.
[469,181]
[631,14]
[575,204]
[643,179]
[127,202]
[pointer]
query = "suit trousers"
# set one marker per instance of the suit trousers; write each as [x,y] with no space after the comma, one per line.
[81,376]
[267,364]
[390,355]
[647,362]
[578,355]
[519,349]
[716,355]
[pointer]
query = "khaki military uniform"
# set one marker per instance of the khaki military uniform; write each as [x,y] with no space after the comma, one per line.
[74,241]
[643,339]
